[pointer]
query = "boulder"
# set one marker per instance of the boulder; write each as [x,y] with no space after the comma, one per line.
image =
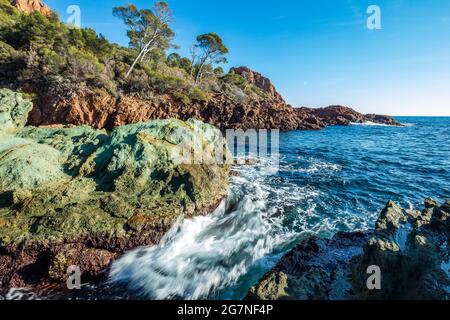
[67,194]
[390,218]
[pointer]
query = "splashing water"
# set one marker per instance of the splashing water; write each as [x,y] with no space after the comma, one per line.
[200,257]
[332,180]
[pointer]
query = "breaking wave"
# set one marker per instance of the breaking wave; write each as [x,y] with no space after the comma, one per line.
[263,216]
[199,257]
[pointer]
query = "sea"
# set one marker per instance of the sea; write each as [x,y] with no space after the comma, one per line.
[336,179]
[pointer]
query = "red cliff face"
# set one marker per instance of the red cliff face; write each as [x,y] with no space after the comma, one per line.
[259,81]
[102,110]
[30,6]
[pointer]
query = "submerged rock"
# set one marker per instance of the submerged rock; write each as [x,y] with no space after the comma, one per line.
[411,252]
[79,196]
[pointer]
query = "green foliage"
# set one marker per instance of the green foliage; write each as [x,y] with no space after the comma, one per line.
[147,25]
[84,64]
[208,50]
[8,14]
[181,97]
[98,44]
[35,30]
[235,79]
[148,30]
[174,60]
[249,89]
[219,72]
[166,83]
[51,61]
[212,44]
[198,94]
[253,90]
[40,51]
[5,52]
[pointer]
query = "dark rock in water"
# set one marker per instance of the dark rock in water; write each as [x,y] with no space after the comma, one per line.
[80,196]
[430,203]
[390,219]
[343,116]
[317,269]
[411,252]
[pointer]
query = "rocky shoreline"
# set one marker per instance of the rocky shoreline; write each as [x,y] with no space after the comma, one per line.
[104,111]
[88,173]
[80,196]
[104,98]
[411,249]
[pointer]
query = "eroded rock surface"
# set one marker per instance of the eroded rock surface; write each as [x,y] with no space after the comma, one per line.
[100,110]
[411,248]
[80,196]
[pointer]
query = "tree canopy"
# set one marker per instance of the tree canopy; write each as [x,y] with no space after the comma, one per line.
[208,50]
[147,29]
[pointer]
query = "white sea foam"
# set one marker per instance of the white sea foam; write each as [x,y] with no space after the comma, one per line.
[370,123]
[20,294]
[318,166]
[375,124]
[203,255]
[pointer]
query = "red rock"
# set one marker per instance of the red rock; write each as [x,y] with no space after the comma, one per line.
[100,109]
[30,6]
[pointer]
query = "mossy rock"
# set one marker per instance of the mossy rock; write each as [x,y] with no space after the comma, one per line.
[74,183]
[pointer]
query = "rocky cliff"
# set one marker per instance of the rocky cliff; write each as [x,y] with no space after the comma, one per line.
[411,249]
[100,109]
[30,6]
[80,196]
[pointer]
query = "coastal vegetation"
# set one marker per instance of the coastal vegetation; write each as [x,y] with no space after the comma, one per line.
[38,51]
[89,147]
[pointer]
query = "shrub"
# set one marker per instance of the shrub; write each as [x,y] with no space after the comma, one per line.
[174,60]
[138,82]
[48,60]
[235,79]
[8,14]
[84,66]
[181,97]
[254,90]
[163,83]
[5,52]
[198,95]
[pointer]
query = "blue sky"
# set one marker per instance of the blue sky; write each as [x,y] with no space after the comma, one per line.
[318,52]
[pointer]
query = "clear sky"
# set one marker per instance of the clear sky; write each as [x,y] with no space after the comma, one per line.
[318,52]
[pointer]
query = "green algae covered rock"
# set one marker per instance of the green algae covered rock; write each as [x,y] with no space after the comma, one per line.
[100,191]
[13,111]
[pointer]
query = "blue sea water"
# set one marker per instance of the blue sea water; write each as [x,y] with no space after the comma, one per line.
[357,169]
[336,179]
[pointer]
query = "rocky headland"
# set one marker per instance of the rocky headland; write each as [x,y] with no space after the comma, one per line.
[410,248]
[103,110]
[30,6]
[76,77]
[81,196]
